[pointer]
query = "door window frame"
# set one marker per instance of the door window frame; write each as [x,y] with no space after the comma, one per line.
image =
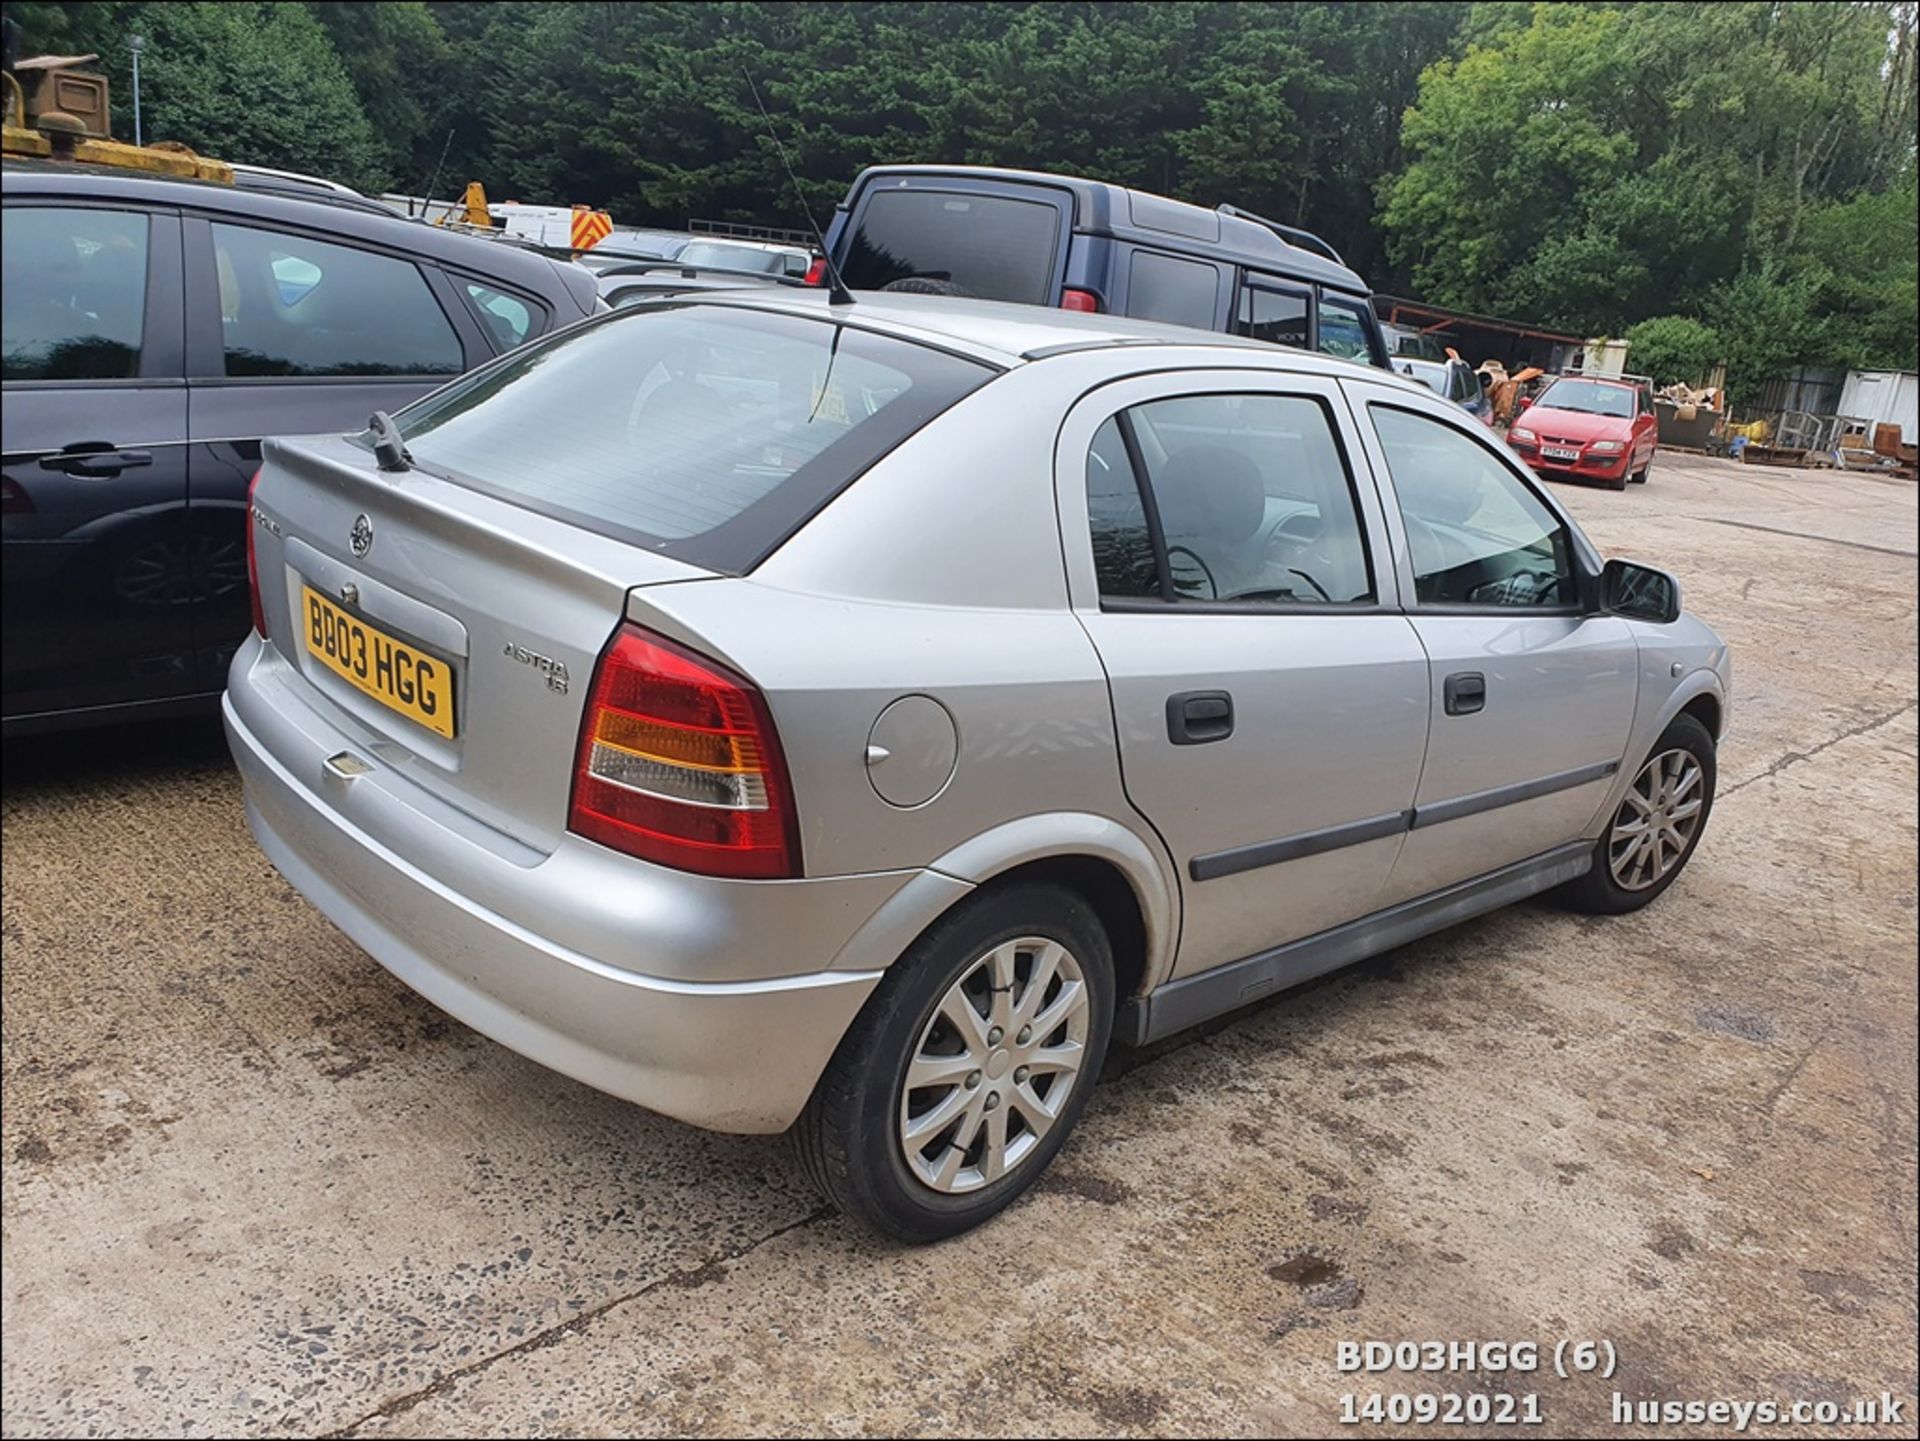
[206,346]
[1252,280]
[1109,399]
[162,342]
[1369,325]
[1363,397]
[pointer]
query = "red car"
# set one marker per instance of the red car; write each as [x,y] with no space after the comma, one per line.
[1582,427]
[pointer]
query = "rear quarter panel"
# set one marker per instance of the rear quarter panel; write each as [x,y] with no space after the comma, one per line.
[938,573]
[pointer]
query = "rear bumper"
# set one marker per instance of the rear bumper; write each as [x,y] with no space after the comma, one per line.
[731,1055]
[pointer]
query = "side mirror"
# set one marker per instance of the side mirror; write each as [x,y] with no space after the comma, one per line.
[1639,592]
[1525,401]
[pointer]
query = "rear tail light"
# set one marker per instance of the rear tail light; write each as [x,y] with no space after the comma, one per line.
[679,764]
[816,272]
[1079,300]
[253,563]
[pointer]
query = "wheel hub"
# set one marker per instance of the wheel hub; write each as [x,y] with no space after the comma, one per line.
[994,1065]
[1657,821]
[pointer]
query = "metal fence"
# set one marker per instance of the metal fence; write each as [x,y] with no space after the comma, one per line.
[1810,392]
[729,230]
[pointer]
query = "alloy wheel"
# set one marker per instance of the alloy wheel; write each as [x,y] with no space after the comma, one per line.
[1657,820]
[994,1066]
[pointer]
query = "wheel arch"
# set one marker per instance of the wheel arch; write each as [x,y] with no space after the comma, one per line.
[1701,695]
[1130,885]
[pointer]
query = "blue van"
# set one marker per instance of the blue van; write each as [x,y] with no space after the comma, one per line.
[1058,240]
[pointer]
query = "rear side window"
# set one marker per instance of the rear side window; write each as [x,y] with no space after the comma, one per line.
[1167,288]
[1251,495]
[1276,316]
[704,432]
[74,300]
[294,306]
[1123,555]
[992,247]
[507,316]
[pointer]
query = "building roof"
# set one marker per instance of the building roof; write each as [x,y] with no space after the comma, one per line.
[1396,310]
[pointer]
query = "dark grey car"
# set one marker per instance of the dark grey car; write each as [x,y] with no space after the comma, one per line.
[154,331]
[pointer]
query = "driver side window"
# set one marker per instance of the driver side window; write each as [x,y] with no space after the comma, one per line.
[1478,536]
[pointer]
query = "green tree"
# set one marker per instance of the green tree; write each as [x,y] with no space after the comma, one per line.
[1769,325]
[1673,347]
[1596,164]
[1864,253]
[249,82]
[397,59]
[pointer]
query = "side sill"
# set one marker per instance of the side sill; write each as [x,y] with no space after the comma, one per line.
[1193,999]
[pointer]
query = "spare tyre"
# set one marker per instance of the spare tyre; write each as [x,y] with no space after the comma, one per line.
[926,285]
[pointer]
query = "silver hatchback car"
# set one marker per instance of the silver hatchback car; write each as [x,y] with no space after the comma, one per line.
[850,718]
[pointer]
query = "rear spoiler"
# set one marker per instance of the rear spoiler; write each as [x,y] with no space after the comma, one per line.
[695,272]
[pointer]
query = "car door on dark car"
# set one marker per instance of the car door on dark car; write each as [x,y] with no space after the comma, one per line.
[98,552]
[290,334]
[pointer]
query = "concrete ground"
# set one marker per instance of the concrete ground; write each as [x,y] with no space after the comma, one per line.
[255,1186]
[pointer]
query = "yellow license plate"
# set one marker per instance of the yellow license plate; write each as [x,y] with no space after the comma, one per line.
[400,677]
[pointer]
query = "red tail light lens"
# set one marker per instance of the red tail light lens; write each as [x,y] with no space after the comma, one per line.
[253,564]
[679,764]
[816,272]
[1079,300]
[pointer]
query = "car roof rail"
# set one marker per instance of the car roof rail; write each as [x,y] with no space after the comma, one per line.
[1292,234]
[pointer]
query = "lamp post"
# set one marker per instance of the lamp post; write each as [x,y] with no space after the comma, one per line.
[136,43]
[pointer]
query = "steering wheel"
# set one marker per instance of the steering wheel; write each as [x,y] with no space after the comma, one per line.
[1213,586]
[1449,552]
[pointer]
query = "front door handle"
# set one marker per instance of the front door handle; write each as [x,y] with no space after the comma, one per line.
[1466,693]
[98,459]
[1195,717]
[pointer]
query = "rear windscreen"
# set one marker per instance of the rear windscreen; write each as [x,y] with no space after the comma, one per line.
[704,432]
[988,246]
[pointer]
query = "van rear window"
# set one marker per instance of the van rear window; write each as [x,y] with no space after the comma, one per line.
[989,246]
[705,432]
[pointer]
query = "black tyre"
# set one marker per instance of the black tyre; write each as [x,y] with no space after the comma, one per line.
[1653,835]
[926,285]
[1640,475]
[1617,482]
[971,1062]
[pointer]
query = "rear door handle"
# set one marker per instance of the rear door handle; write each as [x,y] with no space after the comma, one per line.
[1195,717]
[1466,693]
[99,459]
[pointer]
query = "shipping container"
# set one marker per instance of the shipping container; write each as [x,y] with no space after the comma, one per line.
[1885,397]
